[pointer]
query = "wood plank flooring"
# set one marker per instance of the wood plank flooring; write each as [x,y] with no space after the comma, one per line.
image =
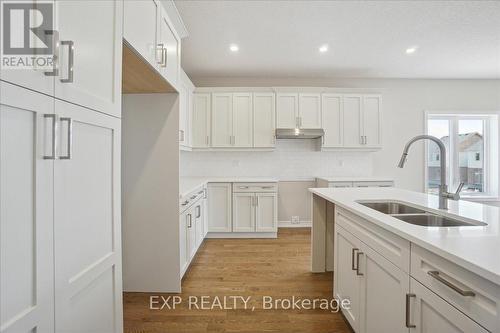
[279,268]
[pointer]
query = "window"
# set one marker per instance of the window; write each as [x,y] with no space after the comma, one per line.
[471,143]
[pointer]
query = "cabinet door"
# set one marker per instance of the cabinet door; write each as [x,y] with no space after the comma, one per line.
[242,120]
[372,112]
[219,207]
[169,46]
[199,212]
[26,214]
[140,19]
[352,120]
[244,212]
[346,282]
[90,69]
[287,110]
[381,280]
[430,314]
[191,233]
[183,241]
[201,121]
[310,110]
[263,120]
[34,79]
[332,120]
[222,120]
[87,225]
[183,115]
[266,212]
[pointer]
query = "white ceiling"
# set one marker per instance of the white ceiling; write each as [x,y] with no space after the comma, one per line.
[455,39]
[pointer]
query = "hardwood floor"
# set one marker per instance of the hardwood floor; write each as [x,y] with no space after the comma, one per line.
[279,268]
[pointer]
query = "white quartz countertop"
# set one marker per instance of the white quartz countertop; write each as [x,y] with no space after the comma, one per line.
[476,248]
[355,179]
[189,184]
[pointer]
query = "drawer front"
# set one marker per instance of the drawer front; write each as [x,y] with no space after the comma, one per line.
[340,184]
[392,247]
[255,187]
[451,281]
[374,184]
[187,200]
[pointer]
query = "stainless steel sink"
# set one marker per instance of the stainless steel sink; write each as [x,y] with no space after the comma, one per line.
[431,220]
[392,207]
[417,216]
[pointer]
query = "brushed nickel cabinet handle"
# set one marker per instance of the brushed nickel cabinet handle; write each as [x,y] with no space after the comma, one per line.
[55,57]
[198,211]
[353,254]
[160,48]
[407,317]
[164,57]
[71,60]
[189,218]
[357,263]
[69,140]
[437,276]
[53,132]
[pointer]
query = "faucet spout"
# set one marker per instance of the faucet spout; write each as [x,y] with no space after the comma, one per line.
[443,187]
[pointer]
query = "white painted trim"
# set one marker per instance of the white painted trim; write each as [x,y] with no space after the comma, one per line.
[212,149]
[242,235]
[289,224]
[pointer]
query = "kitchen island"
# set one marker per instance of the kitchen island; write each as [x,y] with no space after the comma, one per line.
[445,277]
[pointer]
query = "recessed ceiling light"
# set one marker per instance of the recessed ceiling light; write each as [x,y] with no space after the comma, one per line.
[234,48]
[411,50]
[323,48]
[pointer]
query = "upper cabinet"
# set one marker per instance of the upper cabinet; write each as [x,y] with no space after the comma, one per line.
[88,57]
[201,120]
[222,120]
[242,120]
[148,30]
[332,119]
[299,110]
[264,128]
[186,90]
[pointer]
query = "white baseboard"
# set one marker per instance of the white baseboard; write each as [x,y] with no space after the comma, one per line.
[242,235]
[289,224]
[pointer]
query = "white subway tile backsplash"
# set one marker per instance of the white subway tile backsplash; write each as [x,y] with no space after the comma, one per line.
[292,159]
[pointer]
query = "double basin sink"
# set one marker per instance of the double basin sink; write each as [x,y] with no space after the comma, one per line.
[417,216]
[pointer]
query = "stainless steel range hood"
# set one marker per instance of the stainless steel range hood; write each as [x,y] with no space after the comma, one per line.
[299,133]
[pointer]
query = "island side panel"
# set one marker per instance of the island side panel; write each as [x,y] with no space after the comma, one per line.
[330,235]
[318,234]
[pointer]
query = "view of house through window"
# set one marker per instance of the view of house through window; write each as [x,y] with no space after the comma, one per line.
[464,139]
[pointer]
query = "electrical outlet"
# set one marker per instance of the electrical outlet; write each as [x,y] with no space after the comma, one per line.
[295,220]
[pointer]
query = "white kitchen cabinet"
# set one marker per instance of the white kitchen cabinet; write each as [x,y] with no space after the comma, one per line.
[219,207]
[34,79]
[352,116]
[381,280]
[264,115]
[266,212]
[242,130]
[309,110]
[372,121]
[87,232]
[90,55]
[243,212]
[332,112]
[140,25]
[183,241]
[201,120]
[347,283]
[192,245]
[199,217]
[186,89]
[26,214]
[169,48]
[429,313]
[222,120]
[287,110]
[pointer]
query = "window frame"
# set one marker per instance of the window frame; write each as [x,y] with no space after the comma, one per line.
[491,127]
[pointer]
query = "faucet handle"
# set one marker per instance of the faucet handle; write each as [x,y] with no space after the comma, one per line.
[456,195]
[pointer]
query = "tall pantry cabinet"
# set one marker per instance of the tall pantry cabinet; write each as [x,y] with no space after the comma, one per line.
[60,236]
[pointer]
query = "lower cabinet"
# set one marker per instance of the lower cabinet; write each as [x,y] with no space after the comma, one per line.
[255,212]
[191,230]
[429,313]
[385,297]
[219,207]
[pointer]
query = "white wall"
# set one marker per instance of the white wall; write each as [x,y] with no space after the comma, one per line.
[404,102]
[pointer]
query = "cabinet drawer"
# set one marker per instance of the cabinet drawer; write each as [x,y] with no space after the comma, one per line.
[374,184]
[451,281]
[340,184]
[255,187]
[389,245]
